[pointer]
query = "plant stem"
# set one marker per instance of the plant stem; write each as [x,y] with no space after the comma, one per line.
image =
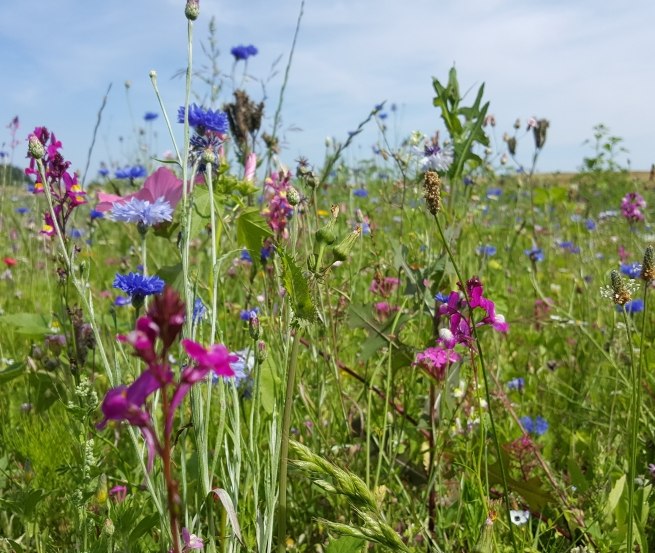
[284,447]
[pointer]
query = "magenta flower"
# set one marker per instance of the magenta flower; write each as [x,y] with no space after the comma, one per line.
[250,167]
[279,210]
[632,205]
[162,184]
[436,360]
[384,286]
[217,359]
[191,541]
[119,493]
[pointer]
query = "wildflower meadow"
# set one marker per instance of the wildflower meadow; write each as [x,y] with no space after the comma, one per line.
[436,347]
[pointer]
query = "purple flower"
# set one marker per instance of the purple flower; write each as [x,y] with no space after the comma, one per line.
[516,384]
[199,311]
[537,426]
[631,307]
[360,193]
[632,270]
[436,360]
[632,205]
[247,314]
[569,246]
[138,286]
[95,214]
[486,251]
[134,172]
[535,254]
[243,52]
[150,116]
[142,212]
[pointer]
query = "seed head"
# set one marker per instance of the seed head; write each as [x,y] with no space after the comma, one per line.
[621,294]
[432,191]
[648,266]
[540,131]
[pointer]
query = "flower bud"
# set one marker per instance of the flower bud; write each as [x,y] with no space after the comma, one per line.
[253,326]
[540,133]
[511,145]
[108,528]
[208,156]
[192,9]
[293,196]
[153,75]
[262,352]
[34,147]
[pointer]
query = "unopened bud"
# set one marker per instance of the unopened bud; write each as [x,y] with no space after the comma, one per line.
[34,147]
[253,326]
[517,124]
[540,133]
[192,9]
[511,145]
[648,266]
[261,352]
[208,156]
[153,75]
[432,191]
[108,527]
[293,196]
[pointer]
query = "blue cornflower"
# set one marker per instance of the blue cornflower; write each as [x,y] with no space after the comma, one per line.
[494,192]
[265,253]
[199,311]
[245,256]
[569,246]
[95,214]
[468,181]
[443,298]
[486,251]
[76,233]
[243,52]
[22,210]
[590,224]
[150,116]
[246,314]
[383,115]
[535,254]
[516,384]
[134,172]
[203,119]
[121,301]
[537,426]
[634,306]
[360,193]
[631,270]
[103,171]
[142,211]
[576,218]
[138,286]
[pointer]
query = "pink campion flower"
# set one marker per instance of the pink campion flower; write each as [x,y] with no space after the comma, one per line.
[384,286]
[250,167]
[436,360]
[383,309]
[191,541]
[217,359]
[632,205]
[161,184]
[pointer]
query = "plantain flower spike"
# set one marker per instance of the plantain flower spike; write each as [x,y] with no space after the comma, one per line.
[621,294]
[432,191]
[648,266]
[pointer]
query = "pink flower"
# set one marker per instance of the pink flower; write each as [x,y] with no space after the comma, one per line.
[631,207]
[191,541]
[119,493]
[217,359]
[251,166]
[384,286]
[436,360]
[161,184]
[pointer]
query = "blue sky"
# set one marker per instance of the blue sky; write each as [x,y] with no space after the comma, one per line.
[574,63]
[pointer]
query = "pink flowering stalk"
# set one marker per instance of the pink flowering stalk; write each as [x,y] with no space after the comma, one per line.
[436,360]
[152,340]
[161,184]
[384,286]
[278,211]
[632,205]
[66,191]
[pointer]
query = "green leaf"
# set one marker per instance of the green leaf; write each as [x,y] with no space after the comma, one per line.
[531,490]
[144,526]
[252,230]
[345,544]
[13,371]
[173,275]
[30,324]
[297,288]
[267,385]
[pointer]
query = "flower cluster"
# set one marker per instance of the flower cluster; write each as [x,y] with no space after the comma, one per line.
[152,340]
[632,205]
[210,129]
[66,192]
[243,52]
[459,314]
[278,210]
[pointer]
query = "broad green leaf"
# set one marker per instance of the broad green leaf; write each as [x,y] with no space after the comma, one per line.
[13,371]
[252,230]
[297,288]
[172,275]
[345,544]
[143,527]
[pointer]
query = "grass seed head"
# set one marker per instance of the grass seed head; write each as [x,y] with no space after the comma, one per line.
[432,191]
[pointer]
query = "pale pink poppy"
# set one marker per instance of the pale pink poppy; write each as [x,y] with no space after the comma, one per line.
[161,184]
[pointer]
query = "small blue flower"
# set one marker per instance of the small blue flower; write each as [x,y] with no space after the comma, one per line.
[569,246]
[138,286]
[516,384]
[76,233]
[383,115]
[265,253]
[142,211]
[122,301]
[246,314]
[468,181]
[103,171]
[590,224]
[486,251]
[150,116]
[95,214]
[634,306]
[537,426]
[245,256]
[134,172]
[631,270]
[22,210]
[203,119]
[494,192]
[535,254]
[443,298]
[199,311]
[242,53]
[360,193]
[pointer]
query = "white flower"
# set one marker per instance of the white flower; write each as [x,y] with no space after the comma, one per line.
[519,517]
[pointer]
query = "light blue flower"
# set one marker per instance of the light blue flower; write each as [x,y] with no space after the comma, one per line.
[142,211]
